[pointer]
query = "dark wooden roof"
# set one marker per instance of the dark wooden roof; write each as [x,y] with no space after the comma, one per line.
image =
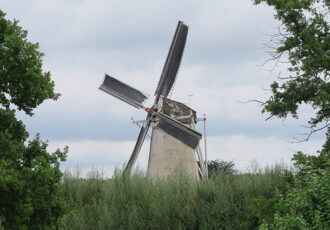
[177,109]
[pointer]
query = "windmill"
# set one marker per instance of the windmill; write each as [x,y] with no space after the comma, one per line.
[174,139]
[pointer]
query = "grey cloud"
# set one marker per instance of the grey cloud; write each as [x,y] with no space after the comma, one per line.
[221,32]
[84,39]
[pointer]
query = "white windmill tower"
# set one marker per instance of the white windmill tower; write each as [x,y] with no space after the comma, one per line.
[174,140]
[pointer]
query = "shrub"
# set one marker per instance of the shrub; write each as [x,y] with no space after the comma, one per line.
[305,204]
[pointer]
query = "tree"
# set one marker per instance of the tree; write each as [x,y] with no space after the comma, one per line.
[303,37]
[216,167]
[29,176]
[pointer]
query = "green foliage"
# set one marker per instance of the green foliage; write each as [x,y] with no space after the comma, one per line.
[220,166]
[273,198]
[29,176]
[22,80]
[306,202]
[225,201]
[304,38]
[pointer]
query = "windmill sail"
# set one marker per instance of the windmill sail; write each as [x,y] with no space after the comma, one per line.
[178,130]
[123,92]
[138,145]
[173,61]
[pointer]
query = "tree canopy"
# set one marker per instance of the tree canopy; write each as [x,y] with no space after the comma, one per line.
[29,175]
[303,38]
[22,81]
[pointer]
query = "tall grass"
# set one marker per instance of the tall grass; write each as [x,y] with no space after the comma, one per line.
[225,201]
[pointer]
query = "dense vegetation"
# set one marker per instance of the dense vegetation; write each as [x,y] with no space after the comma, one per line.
[225,201]
[30,194]
[303,42]
[273,198]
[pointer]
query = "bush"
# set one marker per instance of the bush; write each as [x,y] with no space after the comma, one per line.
[220,166]
[305,203]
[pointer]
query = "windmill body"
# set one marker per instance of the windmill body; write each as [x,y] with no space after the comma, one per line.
[174,139]
[167,153]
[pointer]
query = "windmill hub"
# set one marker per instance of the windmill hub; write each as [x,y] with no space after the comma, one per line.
[174,139]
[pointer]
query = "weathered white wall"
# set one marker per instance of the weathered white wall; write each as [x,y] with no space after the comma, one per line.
[168,154]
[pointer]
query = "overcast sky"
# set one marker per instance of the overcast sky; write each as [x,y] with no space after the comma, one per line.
[221,65]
